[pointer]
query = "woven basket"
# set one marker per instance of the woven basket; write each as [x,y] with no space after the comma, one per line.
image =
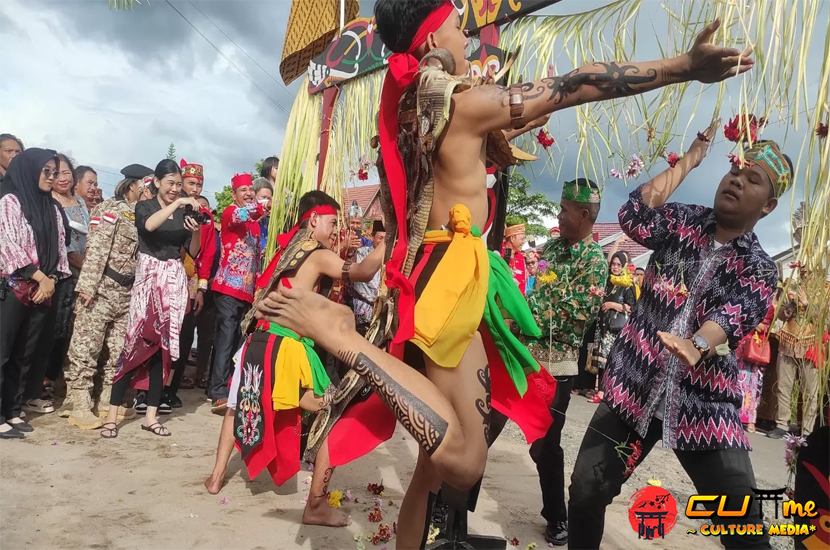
[312,24]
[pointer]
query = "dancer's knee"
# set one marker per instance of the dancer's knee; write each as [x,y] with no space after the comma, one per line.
[463,468]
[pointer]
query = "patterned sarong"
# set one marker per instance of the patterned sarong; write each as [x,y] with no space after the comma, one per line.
[158,303]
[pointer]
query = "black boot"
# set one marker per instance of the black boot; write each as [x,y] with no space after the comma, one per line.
[557,533]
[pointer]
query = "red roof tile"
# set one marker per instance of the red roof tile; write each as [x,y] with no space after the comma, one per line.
[606,230]
[363,194]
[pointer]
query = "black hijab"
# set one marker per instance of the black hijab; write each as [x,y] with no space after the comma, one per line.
[38,207]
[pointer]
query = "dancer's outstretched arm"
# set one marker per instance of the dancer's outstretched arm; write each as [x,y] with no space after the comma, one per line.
[483,109]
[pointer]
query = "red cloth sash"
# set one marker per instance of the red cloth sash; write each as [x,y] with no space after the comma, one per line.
[403,67]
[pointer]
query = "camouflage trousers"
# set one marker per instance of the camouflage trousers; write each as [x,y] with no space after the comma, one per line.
[103,323]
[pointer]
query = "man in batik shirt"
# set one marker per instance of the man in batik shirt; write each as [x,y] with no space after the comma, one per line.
[364,295]
[565,300]
[672,374]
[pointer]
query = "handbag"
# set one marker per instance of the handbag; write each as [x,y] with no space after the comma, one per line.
[756,349]
[24,291]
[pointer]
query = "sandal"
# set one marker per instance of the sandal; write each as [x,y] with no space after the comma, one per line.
[157,429]
[42,406]
[187,383]
[108,432]
[597,398]
[202,382]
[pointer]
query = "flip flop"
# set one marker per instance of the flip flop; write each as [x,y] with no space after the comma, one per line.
[157,429]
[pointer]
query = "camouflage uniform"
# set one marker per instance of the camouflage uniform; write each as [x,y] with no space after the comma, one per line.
[107,276]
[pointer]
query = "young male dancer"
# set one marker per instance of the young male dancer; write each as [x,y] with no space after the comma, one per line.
[438,305]
[264,407]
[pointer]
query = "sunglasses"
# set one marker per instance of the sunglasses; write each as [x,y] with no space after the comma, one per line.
[50,174]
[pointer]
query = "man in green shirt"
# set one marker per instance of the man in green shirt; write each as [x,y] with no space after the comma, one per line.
[564,301]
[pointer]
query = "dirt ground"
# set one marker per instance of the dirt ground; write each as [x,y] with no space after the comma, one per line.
[63,488]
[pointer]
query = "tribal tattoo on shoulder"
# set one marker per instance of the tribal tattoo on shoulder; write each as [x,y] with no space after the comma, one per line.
[425,425]
[614,79]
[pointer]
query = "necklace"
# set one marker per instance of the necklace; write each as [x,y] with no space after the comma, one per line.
[65,201]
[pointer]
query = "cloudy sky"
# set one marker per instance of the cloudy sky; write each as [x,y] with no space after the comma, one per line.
[112,88]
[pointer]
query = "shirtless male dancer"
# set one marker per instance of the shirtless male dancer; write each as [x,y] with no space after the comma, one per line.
[304,259]
[444,409]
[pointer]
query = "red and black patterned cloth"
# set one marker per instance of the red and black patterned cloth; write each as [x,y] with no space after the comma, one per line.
[689,281]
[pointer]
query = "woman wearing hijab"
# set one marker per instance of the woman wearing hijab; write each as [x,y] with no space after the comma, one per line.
[32,260]
[159,296]
[619,301]
[77,217]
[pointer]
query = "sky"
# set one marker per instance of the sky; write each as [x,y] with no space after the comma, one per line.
[111,88]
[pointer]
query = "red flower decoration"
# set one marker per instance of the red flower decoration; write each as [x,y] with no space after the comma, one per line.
[384,534]
[743,127]
[375,516]
[672,159]
[514,542]
[631,463]
[362,175]
[821,131]
[651,132]
[703,137]
[375,488]
[735,160]
[544,139]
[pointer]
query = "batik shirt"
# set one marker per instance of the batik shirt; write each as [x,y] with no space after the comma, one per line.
[240,263]
[688,281]
[364,295]
[563,308]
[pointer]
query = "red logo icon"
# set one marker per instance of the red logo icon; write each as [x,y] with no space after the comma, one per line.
[652,512]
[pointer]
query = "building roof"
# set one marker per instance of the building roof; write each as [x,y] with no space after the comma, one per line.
[608,233]
[363,194]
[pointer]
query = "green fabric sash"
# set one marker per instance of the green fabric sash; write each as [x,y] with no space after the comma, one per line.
[505,300]
[318,372]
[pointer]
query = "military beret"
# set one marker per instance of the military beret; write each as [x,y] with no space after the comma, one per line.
[136,171]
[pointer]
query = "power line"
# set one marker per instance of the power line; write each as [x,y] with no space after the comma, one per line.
[234,65]
[254,61]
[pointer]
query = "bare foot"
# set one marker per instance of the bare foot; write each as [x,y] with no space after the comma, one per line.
[750,428]
[214,483]
[320,513]
[308,314]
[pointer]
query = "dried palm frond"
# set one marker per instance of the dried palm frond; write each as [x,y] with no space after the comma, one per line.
[298,163]
[124,4]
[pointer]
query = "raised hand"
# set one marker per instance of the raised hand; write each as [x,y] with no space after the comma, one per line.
[711,63]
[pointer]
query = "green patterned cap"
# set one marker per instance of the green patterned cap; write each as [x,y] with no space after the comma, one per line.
[581,190]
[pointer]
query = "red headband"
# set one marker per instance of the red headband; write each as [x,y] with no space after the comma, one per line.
[403,68]
[285,238]
[240,180]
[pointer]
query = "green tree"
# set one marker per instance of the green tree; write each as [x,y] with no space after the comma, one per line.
[171,152]
[224,198]
[528,208]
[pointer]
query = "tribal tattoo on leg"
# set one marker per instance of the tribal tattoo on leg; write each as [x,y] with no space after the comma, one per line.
[483,405]
[425,425]
[326,478]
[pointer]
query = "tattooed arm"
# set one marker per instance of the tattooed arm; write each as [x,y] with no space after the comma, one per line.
[486,108]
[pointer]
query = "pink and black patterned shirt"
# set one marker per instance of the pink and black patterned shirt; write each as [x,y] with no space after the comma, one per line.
[19,249]
[731,285]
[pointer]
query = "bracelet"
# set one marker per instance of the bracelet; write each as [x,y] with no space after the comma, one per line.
[346,266]
[517,105]
[203,284]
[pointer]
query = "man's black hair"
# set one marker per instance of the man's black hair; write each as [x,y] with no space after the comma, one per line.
[313,199]
[397,21]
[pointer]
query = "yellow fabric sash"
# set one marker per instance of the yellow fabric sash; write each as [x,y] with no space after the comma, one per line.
[292,364]
[449,311]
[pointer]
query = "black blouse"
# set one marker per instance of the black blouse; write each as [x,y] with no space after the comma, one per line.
[166,242]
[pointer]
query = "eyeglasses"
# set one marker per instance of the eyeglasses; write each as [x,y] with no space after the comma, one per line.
[50,174]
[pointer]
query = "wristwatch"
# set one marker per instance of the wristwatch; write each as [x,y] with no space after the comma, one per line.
[701,345]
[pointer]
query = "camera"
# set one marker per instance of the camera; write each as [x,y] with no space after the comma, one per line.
[199,217]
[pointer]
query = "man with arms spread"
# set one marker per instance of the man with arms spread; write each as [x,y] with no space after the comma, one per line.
[448,410]
[708,283]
